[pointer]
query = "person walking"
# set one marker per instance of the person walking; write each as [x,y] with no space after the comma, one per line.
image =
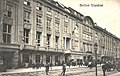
[81,62]
[47,68]
[104,68]
[63,68]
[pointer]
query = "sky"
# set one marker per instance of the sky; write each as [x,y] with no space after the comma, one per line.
[106,16]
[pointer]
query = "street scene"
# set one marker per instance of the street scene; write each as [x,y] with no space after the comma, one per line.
[59,38]
[56,71]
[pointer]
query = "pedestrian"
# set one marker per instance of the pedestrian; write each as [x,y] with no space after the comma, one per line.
[63,68]
[104,68]
[37,65]
[47,68]
[51,65]
[81,62]
[69,63]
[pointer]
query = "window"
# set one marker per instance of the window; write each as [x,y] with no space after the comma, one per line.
[48,58]
[84,36]
[57,60]
[37,58]
[48,9]
[57,26]
[26,58]
[6,33]
[27,2]
[8,11]
[48,24]
[65,29]
[56,41]
[76,45]
[57,14]
[26,35]
[96,36]
[39,6]
[48,40]
[26,16]
[66,18]
[38,21]
[38,35]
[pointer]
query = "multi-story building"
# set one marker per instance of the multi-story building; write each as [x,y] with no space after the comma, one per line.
[9,36]
[108,44]
[47,31]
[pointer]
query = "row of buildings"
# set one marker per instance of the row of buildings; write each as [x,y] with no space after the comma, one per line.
[47,31]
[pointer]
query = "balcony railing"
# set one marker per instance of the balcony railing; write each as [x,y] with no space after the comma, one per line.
[49,31]
[39,28]
[7,20]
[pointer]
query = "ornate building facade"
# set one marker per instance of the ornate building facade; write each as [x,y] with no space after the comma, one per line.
[47,31]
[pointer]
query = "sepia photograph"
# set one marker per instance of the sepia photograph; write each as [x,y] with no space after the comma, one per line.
[59,37]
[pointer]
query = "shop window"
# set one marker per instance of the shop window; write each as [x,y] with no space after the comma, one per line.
[48,58]
[26,58]
[37,57]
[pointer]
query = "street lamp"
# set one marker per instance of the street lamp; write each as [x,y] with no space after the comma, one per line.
[95,48]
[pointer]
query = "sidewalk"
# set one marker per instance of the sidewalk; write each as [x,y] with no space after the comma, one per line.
[23,70]
[42,69]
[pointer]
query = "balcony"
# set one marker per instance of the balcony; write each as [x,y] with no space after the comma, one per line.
[39,28]
[49,31]
[39,12]
[57,33]
[27,25]
[7,20]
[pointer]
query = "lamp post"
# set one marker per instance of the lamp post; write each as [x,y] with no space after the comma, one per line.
[95,48]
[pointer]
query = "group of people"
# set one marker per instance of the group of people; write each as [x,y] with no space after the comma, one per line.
[63,68]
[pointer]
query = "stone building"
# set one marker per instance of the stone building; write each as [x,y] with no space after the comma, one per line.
[47,31]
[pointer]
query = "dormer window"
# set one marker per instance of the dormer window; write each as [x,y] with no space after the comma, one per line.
[75,13]
[48,9]
[87,21]
[57,14]
[27,2]
[66,18]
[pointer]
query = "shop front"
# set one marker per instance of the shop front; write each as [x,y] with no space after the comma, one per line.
[8,59]
[41,56]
